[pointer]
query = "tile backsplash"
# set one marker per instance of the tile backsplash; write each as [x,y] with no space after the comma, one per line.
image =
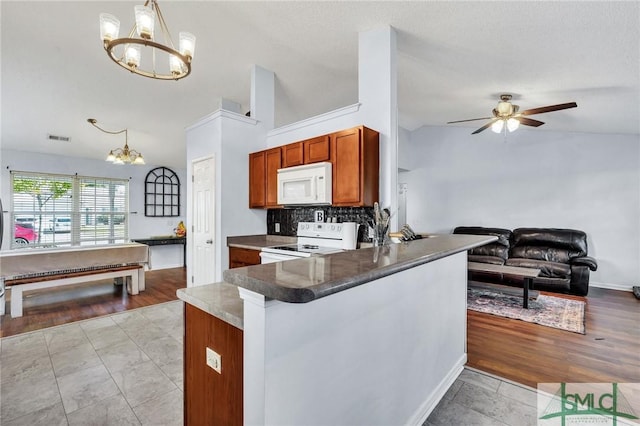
[289,218]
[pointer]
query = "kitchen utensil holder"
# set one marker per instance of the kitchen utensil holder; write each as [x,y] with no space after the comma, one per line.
[380,234]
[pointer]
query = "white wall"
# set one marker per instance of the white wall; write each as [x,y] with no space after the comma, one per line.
[377,92]
[229,137]
[139,225]
[535,178]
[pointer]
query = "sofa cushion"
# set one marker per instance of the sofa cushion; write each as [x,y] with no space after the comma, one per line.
[571,240]
[495,260]
[547,269]
[499,249]
[547,254]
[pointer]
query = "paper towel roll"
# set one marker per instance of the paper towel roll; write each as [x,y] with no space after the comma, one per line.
[349,235]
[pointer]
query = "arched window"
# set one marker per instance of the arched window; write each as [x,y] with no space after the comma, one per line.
[162,193]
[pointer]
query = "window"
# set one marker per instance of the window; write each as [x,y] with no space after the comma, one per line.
[162,193]
[60,210]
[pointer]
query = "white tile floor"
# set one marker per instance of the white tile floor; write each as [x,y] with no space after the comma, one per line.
[126,369]
[120,369]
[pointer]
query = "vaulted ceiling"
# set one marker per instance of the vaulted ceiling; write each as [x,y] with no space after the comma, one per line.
[454,60]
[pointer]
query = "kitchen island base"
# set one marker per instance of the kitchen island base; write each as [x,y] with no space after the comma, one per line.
[376,354]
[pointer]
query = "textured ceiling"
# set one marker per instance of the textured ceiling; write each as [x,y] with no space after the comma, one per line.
[454,60]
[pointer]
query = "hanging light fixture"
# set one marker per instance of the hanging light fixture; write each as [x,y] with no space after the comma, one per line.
[163,61]
[511,125]
[120,155]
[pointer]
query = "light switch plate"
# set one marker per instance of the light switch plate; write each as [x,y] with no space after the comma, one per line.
[214,360]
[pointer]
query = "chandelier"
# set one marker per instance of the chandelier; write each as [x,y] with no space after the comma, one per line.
[120,155]
[162,61]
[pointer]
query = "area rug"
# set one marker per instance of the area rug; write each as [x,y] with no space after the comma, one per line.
[550,311]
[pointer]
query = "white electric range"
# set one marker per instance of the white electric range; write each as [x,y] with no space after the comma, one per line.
[314,239]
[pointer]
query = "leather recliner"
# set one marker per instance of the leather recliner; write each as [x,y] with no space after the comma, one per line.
[560,254]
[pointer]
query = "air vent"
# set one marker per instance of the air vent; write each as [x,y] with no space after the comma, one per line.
[58,138]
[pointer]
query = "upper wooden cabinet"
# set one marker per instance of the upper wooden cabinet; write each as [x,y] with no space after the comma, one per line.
[354,155]
[292,154]
[316,149]
[274,162]
[263,177]
[257,179]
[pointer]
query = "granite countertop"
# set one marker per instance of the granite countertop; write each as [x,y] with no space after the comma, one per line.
[307,279]
[257,242]
[220,300]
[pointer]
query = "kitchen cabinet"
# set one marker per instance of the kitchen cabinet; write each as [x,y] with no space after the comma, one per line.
[316,149]
[354,155]
[293,154]
[257,175]
[263,177]
[239,257]
[212,398]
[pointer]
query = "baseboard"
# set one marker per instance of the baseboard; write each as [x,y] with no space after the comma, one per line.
[609,286]
[422,413]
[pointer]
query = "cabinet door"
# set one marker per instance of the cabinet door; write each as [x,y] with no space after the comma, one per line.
[292,154]
[273,163]
[316,149]
[257,183]
[354,154]
[346,152]
[239,257]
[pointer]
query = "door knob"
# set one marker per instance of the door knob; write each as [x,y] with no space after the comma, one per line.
[209,241]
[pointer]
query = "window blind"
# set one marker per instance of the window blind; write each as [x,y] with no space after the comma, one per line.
[62,210]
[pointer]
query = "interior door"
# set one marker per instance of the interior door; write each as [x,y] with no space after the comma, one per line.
[203,220]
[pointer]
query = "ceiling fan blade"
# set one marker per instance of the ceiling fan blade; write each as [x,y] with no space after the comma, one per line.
[485,127]
[549,108]
[529,121]
[471,119]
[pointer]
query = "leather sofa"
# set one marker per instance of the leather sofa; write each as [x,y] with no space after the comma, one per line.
[560,254]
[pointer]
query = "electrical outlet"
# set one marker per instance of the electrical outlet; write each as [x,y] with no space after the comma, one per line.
[277,227]
[214,360]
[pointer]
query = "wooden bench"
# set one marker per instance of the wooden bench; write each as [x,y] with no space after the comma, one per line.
[31,269]
[526,274]
[132,274]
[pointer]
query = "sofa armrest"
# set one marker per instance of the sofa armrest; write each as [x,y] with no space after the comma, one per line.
[588,261]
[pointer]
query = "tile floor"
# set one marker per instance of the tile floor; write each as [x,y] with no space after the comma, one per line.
[126,369]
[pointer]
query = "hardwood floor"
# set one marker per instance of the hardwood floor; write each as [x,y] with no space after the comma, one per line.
[523,352]
[530,354]
[49,307]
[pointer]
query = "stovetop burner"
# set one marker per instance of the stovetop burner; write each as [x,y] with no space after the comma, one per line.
[310,246]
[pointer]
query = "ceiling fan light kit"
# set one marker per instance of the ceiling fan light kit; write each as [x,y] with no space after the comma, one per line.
[123,155]
[507,115]
[127,51]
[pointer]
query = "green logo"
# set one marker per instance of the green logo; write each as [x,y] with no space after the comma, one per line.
[591,405]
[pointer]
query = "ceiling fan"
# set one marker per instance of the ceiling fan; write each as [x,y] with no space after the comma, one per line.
[506,115]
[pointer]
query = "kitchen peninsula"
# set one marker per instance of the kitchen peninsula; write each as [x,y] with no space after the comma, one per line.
[369,336]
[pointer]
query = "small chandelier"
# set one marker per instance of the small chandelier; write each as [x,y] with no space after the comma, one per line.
[127,51]
[120,155]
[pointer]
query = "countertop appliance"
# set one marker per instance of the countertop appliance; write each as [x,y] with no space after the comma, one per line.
[309,184]
[314,239]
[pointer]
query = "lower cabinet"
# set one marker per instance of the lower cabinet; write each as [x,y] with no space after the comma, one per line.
[212,398]
[239,257]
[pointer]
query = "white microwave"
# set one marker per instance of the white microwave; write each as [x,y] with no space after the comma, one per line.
[304,185]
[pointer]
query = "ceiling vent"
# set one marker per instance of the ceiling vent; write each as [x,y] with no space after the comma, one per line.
[57,138]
